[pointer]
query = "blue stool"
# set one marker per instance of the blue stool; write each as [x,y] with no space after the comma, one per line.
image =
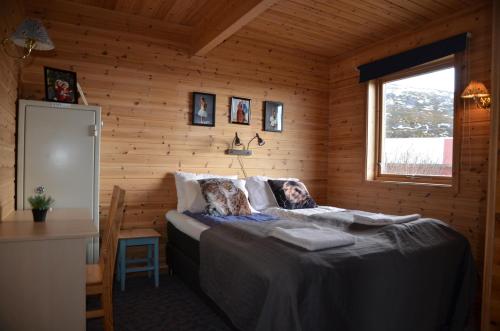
[138,237]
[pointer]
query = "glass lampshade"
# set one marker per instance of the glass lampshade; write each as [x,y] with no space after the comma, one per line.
[32,29]
[475,89]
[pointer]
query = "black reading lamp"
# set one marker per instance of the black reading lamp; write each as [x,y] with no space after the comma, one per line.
[243,151]
[236,140]
[260,141]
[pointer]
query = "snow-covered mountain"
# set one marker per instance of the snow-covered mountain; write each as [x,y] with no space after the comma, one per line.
[419,112]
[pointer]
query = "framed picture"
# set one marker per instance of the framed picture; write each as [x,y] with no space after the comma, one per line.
[273,116]
[240,111]
[203,109]
[60,85]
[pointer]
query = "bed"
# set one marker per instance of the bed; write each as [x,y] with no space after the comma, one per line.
[413,275]
[420,276]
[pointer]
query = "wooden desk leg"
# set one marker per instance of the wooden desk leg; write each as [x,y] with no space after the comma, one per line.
[157,261]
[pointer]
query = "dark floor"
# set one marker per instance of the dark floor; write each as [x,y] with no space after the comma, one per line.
[173,306]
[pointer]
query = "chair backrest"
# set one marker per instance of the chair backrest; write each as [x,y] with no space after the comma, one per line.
[109,244]
[109,247]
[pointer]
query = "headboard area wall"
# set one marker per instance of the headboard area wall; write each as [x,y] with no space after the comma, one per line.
[144,84]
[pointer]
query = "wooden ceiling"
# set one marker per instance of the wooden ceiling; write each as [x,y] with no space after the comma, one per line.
[332,27]
[322,27]
[184,12]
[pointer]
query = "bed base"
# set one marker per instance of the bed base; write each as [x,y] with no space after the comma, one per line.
[183,256]
[183,260]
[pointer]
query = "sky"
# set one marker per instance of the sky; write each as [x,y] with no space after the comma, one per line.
[443,80]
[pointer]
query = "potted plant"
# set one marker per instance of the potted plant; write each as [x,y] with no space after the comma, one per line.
[40,204]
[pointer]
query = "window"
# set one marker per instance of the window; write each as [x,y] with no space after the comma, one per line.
[414,116]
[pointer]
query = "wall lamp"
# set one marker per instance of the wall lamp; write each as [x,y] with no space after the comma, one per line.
[243,151]
[479,93]
[30,35]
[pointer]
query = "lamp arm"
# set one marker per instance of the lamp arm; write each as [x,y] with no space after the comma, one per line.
[248,145]
[30,45]
[483,102]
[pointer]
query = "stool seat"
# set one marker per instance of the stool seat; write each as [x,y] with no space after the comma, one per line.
[138,237]
[138,233]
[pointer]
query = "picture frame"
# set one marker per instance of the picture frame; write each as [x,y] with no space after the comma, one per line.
[273,116]
[60,85]
[240,111]
[203,109]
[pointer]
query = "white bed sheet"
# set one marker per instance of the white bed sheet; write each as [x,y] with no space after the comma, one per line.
[300,214]
[193,228]
[186,224]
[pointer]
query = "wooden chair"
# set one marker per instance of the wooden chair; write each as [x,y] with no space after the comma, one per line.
[100,276]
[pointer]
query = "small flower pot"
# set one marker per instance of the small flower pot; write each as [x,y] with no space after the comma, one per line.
[39,215]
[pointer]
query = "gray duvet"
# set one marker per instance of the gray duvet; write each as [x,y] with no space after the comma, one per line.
[414,276]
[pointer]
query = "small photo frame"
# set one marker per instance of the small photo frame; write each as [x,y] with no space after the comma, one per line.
[203,109]
[240,111]
[60,85]
[273,116]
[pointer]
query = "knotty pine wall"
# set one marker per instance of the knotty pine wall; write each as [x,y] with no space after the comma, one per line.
[144,86]
[10,17]
[464,209]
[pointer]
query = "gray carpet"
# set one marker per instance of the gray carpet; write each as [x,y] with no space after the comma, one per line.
[173,306]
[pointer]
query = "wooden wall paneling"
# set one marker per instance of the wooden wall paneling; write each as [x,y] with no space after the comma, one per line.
[347,187]
[144,87]
[490,318]
[10,16]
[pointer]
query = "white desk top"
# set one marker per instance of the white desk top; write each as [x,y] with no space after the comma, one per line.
[60,224]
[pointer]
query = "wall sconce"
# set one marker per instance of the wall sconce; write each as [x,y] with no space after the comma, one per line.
[260,141]
[30,35]
[479,93]
[243,151]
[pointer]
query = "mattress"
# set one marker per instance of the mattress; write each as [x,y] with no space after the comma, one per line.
[186,224]
[194,224]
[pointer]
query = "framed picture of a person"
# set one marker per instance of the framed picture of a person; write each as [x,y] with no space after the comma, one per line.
[240,111]
[203,109]
[273,116]
[60,85]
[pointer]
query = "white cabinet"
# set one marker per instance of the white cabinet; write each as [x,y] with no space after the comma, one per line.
[58,148]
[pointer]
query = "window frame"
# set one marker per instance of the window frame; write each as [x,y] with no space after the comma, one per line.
[375,125]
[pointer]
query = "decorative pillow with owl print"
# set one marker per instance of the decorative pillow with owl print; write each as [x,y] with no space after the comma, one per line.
[224,198]
[291,194]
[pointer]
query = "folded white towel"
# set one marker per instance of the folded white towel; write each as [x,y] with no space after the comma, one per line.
[314,238]
[382,219]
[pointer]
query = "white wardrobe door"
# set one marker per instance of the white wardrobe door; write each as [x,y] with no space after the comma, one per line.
[59,154]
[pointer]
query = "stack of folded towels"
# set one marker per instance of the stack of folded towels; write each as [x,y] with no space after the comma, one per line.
[366,218]
[313,238]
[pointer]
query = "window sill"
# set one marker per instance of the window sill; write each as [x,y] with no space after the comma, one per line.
[401,183]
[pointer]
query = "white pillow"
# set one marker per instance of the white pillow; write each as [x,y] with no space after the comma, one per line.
[187,193]
[260,194]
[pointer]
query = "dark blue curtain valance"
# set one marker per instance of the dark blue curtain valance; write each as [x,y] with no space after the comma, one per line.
[413,57]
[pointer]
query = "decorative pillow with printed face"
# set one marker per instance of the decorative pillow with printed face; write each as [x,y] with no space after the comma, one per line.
[291,194]
[224,198]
